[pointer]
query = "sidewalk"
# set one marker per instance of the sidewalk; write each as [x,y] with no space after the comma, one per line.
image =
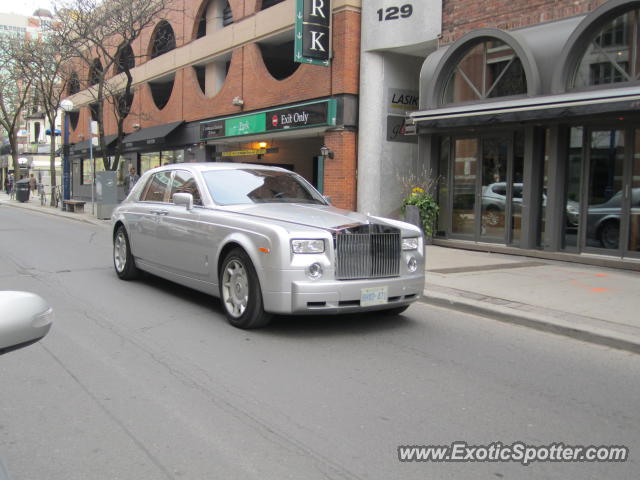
[594,304]
[34,205]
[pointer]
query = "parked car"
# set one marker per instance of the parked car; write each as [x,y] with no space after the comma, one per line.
[494,198]
[603,219]
[265,242]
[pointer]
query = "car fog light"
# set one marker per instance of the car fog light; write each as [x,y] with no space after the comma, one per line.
[314,271]
[412,264]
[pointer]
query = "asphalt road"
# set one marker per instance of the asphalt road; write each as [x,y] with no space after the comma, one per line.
[146,380]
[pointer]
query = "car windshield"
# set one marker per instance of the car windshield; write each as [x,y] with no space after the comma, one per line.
[247,185]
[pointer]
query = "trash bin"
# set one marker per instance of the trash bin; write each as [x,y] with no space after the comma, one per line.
[22,190]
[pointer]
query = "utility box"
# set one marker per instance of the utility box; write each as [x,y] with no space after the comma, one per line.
[22,190]
[106,193]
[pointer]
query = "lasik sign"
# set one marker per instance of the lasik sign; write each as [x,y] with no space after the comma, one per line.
[313,32]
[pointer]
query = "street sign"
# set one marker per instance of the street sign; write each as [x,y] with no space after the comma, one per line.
[313,32]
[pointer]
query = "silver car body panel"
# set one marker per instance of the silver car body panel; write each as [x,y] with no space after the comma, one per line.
[187,247]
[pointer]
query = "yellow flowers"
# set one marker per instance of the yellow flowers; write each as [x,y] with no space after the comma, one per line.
[417,190]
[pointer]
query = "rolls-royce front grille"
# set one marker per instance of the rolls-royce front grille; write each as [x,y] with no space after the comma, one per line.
[367,255]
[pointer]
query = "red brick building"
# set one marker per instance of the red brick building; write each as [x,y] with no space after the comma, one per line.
[209,80]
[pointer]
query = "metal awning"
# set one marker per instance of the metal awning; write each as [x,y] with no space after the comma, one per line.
[82,148]
[537,108]
[150,136]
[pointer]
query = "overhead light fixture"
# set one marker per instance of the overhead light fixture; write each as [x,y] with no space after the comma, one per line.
[325,152]
[136,126]
[262,145]
[237,101]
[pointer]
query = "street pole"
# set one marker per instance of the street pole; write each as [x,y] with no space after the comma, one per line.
[66,167]
[93,167]
[67,106]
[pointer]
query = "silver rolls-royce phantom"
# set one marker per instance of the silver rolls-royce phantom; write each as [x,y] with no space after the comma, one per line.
[265,242]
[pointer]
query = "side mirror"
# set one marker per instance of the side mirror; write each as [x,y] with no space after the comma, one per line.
[185,199]
[26,318]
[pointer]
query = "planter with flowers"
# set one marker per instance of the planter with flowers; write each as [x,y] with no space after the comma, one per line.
[419,203]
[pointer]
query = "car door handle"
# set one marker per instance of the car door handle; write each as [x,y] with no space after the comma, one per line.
[159,211]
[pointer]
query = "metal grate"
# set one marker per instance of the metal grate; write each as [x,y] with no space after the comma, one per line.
[367,255]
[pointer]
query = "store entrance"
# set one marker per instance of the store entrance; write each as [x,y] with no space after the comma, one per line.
[487,188]
[607,193]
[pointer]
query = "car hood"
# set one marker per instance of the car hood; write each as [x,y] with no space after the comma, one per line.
[319,216]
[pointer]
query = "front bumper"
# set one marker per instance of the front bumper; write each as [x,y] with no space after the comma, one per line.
[342,296]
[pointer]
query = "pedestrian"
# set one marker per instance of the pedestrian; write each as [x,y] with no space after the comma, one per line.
[33,184]
[130,180]
[12,182]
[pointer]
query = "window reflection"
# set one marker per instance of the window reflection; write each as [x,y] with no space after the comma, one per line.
[490,69]
[464,186]
[611,56]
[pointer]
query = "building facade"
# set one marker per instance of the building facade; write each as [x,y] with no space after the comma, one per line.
[216,80]
[527,119]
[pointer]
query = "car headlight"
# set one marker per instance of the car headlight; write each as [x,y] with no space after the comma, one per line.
[307,246]
[410,243]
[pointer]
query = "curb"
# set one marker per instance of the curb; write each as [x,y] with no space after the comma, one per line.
[536,319]
[55,212]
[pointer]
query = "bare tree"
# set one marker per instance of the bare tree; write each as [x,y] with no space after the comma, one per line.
[45,61]
[14,90]
[101,35]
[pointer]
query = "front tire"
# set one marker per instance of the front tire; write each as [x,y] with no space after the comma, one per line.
[123,260]
[240,292]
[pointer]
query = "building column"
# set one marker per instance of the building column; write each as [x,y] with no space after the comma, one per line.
[340,173]
[532,178]
[556,202]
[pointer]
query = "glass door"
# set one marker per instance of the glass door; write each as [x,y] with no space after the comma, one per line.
[465,168]
[494,189]
[634,193]
[605,194]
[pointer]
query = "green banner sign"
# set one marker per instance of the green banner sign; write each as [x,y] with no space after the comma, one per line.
[245,125]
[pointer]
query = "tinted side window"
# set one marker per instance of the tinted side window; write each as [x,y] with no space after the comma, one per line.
[183,182]
[157,188]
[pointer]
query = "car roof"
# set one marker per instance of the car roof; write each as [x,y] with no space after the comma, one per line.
[209,166]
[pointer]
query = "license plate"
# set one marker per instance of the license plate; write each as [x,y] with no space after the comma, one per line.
[373,296]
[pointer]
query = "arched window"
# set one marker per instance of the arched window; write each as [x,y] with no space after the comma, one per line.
[164,40]
[611,54]
[277,54]
[125,59]
[123,105]
[489,69]
[216,15]
[161,90]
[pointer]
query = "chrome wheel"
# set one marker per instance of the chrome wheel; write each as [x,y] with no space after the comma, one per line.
[123,261]
[120,251]
[235,288]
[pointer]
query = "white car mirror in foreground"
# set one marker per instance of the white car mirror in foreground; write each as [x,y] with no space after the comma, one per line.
[24,319]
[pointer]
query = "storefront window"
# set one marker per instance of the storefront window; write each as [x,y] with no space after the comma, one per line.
[443,185]
[464,186]
[87,169]
[149,161]
[634,223]
[612,54]
[606,197]
[574,184]
[489,70]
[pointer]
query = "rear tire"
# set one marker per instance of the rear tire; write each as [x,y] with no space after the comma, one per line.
[610,234]
[240,292]
[123,260]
